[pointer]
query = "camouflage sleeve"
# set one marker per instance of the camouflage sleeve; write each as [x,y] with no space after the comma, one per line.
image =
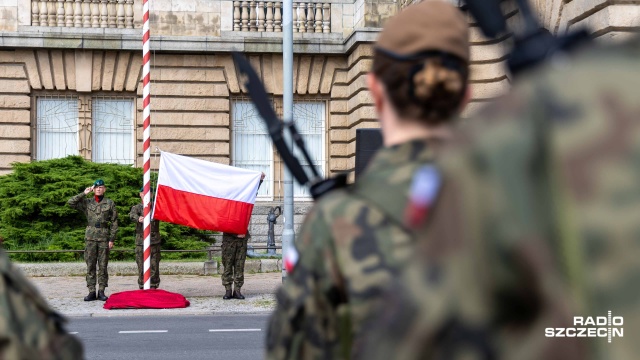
[134,214]
[29,329]
[423,310]
[113,229]
[78,202]
[302,326]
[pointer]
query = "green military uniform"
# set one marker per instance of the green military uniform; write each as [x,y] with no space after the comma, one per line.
[537,222]
[234,253]
[136,212]
[102,226]
[360,234]
[29,328]
[355,241]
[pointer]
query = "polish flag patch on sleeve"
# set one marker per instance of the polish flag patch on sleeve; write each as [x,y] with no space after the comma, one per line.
[423,194]
[291,259]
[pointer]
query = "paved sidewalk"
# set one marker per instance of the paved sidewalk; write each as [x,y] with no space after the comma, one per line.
[124,268]
[66,294]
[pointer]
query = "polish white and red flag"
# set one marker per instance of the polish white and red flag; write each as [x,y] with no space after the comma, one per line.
[205,195]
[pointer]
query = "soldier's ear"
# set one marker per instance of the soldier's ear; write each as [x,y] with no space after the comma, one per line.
[377,91]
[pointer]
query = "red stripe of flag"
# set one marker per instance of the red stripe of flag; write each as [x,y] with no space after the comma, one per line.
[201,211]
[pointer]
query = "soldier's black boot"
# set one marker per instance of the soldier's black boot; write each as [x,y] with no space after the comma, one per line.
[237,294]
[101,296]
[91,296]
[227,295]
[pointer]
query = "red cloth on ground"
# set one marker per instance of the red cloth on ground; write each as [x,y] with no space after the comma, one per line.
[146,299]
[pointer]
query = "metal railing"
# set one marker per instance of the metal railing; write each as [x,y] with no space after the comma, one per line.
[210,250]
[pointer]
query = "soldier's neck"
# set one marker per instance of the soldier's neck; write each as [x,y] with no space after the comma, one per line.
[405,131]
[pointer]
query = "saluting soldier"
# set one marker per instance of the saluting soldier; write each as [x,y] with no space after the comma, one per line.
[102,226]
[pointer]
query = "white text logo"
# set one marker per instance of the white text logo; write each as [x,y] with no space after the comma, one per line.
[599,326]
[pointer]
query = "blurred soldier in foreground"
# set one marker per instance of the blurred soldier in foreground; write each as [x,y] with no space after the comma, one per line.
[137,214]
[355,240]
[537,222]
[29,328]
[102,226]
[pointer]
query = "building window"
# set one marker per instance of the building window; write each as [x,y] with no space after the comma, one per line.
[252,147]
[98,128]
[309,118]
[113,127]
[57,128]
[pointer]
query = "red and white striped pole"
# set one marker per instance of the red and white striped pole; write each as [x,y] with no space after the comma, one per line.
[146,99]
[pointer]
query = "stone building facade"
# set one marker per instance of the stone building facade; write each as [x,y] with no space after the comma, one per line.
[70,77]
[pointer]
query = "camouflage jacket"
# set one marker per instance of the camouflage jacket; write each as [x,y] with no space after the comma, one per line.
[538,222]
[234,237]
[136,212]
[102,217]
[351,246]
[29,328]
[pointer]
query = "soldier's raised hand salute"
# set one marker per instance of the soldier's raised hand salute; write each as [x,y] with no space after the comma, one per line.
[88,190]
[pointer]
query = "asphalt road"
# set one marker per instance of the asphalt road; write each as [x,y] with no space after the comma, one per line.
[172,337]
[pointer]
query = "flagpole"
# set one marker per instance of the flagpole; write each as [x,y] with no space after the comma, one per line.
[288,233]
[146,99]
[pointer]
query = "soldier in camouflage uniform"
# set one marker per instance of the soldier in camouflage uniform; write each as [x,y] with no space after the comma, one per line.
[355,240]
[537,222]
[29,328]
[234,254]
[102,226]
[137,215]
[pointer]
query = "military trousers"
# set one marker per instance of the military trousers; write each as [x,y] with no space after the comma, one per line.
[154,266]
[97,252]
[234,253]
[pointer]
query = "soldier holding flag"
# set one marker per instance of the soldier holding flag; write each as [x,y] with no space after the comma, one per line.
[137,214]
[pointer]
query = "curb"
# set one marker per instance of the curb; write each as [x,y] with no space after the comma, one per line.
[211,267]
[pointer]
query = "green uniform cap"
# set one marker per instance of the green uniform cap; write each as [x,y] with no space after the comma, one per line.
[98,182]
[142,189]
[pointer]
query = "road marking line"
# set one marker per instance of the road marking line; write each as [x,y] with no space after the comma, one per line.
[73,332]
[233,330]
[142,331]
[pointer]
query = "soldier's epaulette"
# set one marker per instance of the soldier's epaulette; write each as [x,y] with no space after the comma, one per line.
[323,187]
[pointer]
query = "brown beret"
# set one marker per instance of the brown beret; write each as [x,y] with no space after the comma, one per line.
[429,25]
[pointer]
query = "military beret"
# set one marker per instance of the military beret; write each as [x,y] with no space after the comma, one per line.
[98,182]
[426,26]
[142,189]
